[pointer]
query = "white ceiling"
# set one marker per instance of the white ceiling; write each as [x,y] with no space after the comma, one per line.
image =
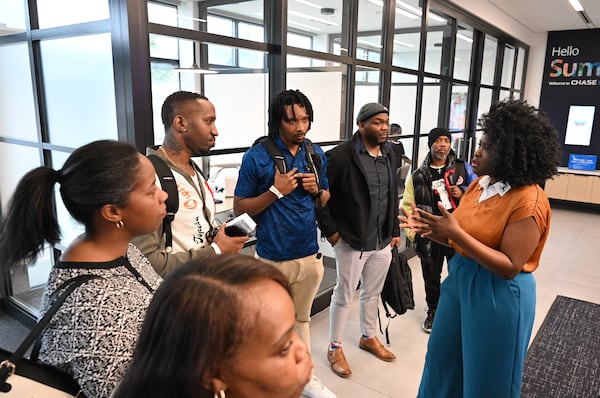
[550,15]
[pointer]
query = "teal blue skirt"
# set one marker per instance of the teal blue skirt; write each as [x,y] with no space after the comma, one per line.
[480,334]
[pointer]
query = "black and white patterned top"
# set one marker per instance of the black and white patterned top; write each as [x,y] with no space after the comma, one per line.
[93,334]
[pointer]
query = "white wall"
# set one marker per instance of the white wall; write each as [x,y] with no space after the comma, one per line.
[487,11]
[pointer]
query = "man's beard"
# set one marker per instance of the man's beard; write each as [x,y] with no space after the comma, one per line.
[373,139]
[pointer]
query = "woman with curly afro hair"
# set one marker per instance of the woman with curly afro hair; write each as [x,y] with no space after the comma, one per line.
[487,305]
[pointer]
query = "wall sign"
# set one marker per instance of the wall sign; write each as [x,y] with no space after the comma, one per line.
[571,90]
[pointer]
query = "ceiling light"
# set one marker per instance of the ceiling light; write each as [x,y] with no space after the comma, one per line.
[406,13]
[401,43]
[192,18]
[576,5]
[437,18]
[408,7]
[368,43]
[463,37]
[308,3]
[311,18]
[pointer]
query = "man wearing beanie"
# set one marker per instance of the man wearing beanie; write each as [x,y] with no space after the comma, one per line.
[360,222]
[441,178]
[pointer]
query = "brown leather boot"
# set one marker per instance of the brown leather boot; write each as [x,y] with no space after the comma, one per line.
[338,362]
[374,346]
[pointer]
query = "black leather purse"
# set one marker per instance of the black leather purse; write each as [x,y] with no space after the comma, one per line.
[21,377]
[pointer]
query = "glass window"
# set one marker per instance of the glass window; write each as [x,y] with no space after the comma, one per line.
[403,102]
[249,58]
[520,66]
[298,40]
[323,87]
[163,47]
[462,54]
[489,60]
[504,94]
[458,107]
[485,101]
[322,24]
[184,15]
[221,55]
[28,283]
[222,19]
[17,106]
[507,66]
[18,160]
[79,89]
[162,13]
[301,41]
[367,88]
[221,26]
[12,17]
[53,13]
[406,34]
[423,148]
[250,31]
[439,31]
[241,118]
[370,16]
[164,82]
[430,105]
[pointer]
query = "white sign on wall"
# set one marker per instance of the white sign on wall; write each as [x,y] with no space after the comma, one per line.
[579,125]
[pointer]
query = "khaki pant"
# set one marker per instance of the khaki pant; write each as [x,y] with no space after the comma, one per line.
[305,276]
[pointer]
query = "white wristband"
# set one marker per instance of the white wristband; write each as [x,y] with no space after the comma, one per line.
[216,248]
[275,192]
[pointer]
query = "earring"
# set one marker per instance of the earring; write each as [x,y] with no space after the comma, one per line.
[220,395]
[120,224]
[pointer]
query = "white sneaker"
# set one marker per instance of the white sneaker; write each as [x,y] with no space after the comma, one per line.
[316,389]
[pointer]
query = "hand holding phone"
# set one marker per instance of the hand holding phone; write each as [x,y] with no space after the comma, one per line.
[241,225]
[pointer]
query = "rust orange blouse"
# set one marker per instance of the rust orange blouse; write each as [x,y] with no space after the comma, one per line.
[487,220]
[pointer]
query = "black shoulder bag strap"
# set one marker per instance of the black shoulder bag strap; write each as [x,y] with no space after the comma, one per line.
[275,153]
[279,160]
[7,367]
[314,161]
[168,184]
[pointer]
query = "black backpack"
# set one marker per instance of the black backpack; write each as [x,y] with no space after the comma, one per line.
[168,184]
[397,293]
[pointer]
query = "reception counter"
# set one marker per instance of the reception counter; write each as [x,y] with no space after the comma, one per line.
[572,185]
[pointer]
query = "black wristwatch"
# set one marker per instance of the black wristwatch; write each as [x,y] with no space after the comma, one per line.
[318,193]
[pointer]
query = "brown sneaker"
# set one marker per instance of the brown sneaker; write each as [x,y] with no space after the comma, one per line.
[338,362]
[376,348]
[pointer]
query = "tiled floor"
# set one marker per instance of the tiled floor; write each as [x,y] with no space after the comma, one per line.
[569,267]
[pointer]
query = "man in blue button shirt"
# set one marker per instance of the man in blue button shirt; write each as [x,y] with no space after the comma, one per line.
[283,204]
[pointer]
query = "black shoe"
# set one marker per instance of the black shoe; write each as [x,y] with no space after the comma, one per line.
[428,321]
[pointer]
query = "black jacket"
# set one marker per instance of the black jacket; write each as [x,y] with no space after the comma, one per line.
[425,198]
[347,211]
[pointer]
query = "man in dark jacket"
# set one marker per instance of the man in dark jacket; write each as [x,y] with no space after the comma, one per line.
[360,222]
[441,178]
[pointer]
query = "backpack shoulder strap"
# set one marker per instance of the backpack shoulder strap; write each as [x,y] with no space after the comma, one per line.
[274,151]
[314,160]
[168,184]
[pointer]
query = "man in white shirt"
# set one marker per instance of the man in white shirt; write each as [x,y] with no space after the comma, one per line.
[190,131]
